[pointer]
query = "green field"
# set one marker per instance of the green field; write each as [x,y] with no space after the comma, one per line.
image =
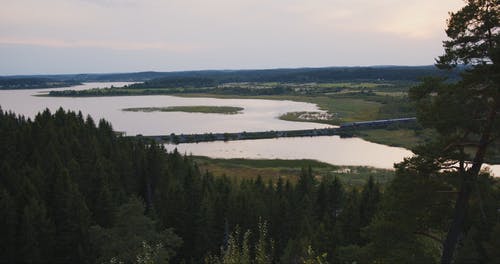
[357,85]
[228,110]
[344,109]
[405,138]
[348,109]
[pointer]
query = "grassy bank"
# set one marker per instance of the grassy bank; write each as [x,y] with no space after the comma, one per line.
[273,169]
[228,110]
[402,137]
[347,109]
[342,109]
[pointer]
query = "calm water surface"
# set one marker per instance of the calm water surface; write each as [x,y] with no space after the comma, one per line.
[258,115]
[330,149]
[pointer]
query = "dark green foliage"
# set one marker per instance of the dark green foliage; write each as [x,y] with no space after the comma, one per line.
[60,175]
[176,82]
[326,74]
[66,184]
[132,230]
[474,35]
[493,244]
[412,210]
[466,114]
[440,202]
[65,191]
[411,221]
[8,225]
[240,249]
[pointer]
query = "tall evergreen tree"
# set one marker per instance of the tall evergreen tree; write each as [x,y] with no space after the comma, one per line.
[72,219]
[8,227]
[466,114]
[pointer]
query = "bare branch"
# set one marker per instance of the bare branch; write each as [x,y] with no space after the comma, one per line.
[433,237]
[447,191]
[462,144]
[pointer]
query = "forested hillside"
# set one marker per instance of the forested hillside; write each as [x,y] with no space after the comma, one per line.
[301,75]
[73,191]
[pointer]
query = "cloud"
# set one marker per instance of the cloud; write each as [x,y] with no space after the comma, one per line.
[231,33]
[114,45]
[422,20]
[110,2]
[406,19]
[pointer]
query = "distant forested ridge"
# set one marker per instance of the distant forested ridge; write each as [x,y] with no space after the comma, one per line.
[214,77]
[302,75]
[263,82]
[33,83]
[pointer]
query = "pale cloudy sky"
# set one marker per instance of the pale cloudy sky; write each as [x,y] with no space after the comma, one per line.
[75,36]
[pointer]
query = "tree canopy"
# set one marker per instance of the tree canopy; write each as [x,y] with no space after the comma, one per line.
[466,114]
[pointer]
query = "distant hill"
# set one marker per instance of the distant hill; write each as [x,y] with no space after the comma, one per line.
[211,77]
[14,83]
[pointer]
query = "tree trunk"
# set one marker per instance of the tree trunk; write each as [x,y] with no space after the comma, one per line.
[149,195]
[462,202]
[455,231]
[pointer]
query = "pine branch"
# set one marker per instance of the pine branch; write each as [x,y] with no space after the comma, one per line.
[433,237]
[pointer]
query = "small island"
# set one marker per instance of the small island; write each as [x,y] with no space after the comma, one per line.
[227,110]
[319,117]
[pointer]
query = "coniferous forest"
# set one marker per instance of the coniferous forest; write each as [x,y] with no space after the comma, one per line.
[72,191]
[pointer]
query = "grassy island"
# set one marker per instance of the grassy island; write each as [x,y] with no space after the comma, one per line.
[227,110]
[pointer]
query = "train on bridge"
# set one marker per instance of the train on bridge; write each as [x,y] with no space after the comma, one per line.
[378,123]
[344,130]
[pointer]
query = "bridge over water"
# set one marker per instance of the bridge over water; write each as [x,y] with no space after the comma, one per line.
[344,129]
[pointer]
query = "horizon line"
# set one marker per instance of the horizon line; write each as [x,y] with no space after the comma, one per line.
[206,70]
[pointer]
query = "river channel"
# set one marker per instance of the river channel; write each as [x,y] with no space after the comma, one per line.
[258,115]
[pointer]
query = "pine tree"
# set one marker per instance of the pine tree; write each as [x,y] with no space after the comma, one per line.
[370,197]
[132,228]
[72,219]
[465,114]
[8,227]
[36,233]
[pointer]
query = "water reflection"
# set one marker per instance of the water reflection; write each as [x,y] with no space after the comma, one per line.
[258,115]
[330,149]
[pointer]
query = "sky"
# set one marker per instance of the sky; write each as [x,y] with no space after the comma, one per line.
[102,36]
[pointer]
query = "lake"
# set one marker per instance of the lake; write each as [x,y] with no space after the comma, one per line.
[330,149]
[258,115]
